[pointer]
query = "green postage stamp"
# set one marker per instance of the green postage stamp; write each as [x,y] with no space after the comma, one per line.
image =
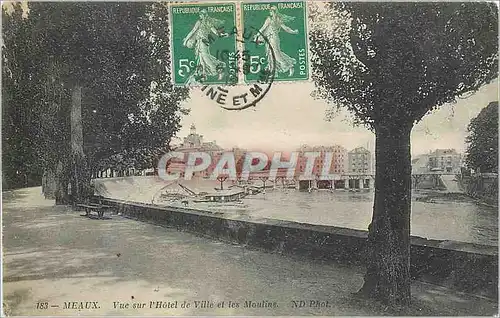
[199,33]
[270,37]
[279,40]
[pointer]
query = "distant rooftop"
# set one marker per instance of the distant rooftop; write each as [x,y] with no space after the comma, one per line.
[321,148]
[441,152]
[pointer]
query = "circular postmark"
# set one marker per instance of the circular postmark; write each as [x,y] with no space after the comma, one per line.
[231,95]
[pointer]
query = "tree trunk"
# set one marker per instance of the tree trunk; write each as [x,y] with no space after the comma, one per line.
[388,262]
[61,183]
[80,179]
[49,184]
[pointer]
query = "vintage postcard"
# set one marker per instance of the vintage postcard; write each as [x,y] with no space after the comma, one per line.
[249,158]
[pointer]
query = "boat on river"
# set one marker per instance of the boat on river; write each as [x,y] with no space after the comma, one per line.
[223,196]
[178,195]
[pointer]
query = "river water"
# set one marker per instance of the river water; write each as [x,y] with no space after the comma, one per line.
[445,220]
[464,221]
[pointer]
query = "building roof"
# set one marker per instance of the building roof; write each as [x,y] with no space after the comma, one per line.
[321,148]
[420,159]
[211,145]
[442,152]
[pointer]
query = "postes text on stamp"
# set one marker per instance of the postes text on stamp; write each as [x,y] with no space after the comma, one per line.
[284,26]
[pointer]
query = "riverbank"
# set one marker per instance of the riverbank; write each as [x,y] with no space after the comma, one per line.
[436,196]
[482,187]
[445,197]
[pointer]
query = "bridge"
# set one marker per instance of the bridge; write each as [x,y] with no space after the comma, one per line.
[284,175]
[432,180]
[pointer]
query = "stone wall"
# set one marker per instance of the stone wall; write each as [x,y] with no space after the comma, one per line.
[466,267]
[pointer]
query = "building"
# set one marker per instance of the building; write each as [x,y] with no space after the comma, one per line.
[360,161]
[194,143]
[420,164]
[338,163]
[446,160]
[240,158]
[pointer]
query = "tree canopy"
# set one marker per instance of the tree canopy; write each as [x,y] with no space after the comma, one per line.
[390,63]
[117,52]
[482,141]
[398,61]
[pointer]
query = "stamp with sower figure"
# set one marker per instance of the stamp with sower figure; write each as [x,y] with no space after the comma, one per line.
[235,65]
[197,32]
[284,26]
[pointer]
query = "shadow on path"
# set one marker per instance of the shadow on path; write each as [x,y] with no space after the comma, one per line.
[53,254]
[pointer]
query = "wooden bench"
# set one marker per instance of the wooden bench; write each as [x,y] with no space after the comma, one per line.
[99,208]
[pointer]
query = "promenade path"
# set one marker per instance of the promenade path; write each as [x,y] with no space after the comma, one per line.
[51,254]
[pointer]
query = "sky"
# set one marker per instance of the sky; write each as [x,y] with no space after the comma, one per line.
[289,117]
